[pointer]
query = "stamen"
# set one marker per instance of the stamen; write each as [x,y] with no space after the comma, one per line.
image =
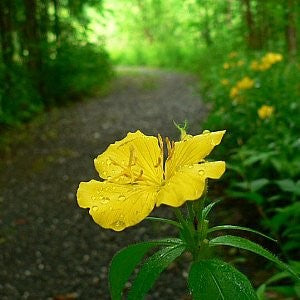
[169,147]
[139,177]
[158,163]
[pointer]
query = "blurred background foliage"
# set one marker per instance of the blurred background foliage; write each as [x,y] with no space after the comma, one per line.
[46,56]
[244,52]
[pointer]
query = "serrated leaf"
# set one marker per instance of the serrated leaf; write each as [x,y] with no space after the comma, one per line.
[124,262]
[213,280]
[242,243]
[151,269]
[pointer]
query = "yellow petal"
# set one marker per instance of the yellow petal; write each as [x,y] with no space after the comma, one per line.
[137,157]
[192,151]
[116,206]
[189,183]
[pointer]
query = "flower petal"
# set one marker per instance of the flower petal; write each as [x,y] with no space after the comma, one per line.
[189,183]
[137,157]
[116,206]
[192,151]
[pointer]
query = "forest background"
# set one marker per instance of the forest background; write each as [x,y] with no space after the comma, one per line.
[245,54]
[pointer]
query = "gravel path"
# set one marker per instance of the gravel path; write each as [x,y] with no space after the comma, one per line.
[49,247]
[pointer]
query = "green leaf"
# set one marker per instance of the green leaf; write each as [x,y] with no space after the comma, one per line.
[257,184]
[260,292]
[124,262]
[213,280]
[233,227]
[253,197]
[289,185]
[239,242]
[163,220]
[151,269]
[208,208]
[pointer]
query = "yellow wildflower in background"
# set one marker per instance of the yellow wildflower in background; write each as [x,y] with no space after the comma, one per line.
[136,178]
[225,81]
[255,65]
[265,111]
[226,65]
[245,83]
[266,61]
[234,91]
[240,63]
[233,54]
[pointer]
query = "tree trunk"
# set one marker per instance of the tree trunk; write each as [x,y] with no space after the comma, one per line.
[290,30]
[251,38]
[57,30]
[7,49]
[32,43]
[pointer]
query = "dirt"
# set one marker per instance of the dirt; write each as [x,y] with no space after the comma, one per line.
[50,248]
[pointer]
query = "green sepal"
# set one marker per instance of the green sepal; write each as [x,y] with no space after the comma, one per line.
[214,279]
[151,270]
[242,243]
[125,261]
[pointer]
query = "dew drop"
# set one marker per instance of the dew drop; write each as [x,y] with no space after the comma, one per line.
[95,208]
[213,142]
[205,132]
[122,198]
[118,225]
[104,200]
[201,172]
[108,162]
[190,167]
[93,198]
[109,177]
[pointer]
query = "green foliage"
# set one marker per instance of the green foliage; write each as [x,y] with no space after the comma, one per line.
[239,242]
[47,57]
[129,257]
[151,270]
[213,279]
[208,278]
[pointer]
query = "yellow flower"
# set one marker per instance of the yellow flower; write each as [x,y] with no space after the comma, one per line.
[136,178]
[225,81]
[255,65]
[266,61]
[245,83]
[233,54]
[226,66]
[265,111]
[234,92]
[240,63]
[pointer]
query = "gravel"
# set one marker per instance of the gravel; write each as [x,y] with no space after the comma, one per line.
[49,247]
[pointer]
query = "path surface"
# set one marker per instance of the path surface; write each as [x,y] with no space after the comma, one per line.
[49,247]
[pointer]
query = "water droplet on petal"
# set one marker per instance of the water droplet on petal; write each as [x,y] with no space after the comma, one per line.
[190,167]
[108,162]
[104,200]
[118,225]
[122,198]
[95,208]
[93,198]
[213,142]
[201,172]
[205,132]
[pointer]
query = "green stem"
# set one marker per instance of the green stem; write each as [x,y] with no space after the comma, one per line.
[171,222]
